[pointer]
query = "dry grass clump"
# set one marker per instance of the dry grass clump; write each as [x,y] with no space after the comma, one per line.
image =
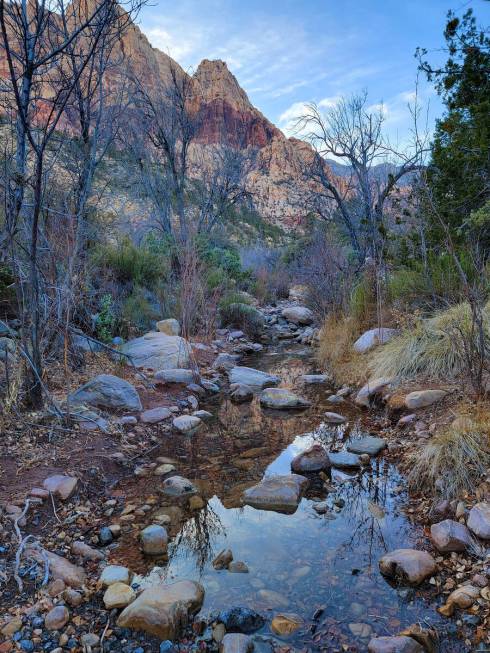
[435,347]
[336,352]
[454,460]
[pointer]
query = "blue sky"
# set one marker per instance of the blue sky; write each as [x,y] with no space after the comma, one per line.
[288,52]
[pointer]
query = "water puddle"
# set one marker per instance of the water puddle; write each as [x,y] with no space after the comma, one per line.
[302,562]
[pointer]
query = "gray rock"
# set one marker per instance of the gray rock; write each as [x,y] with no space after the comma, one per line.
[298,315]
[202,414]
[277,493]
[251,377]
[155,415]
[422,398]
[334,418]
[372,338]
[371,389]
[282,399]
[210,386]
[479,520]
[409,565]
[177,375]
[154,540]
[368,444]
[236,643]
[449,535]
[107,391]
[178,486]
[400,644]
[115,574]
[187,424]
[157,351]
[344,460]
[314,459]
[85,551]
[225,362]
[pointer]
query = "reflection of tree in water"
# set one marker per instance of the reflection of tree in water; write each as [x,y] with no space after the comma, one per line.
[197,537]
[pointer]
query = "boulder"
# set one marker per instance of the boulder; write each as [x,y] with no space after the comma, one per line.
[107,391]
[164,609]
[169,327]
[236,643]
[344,460]
[187,424]
[61,486]
[241,394]
[177,375]
[155,415]
[368,444]
[372,338]
[157,351]
[178,486]
[479,520]
[277,493]
[118,595]
[154,540]
[314,459]
[449,535]
[334,418]
[255,379]
[400,644]
[282,399]
[422,398]
[409,565]
[59,567]
[241,620]
[298,315]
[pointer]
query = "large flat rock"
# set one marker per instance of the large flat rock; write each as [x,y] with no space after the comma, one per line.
[409,565]
[163,610]
[344,460]
[159,351]
[277,493]
[368,444]
[282,399]
[107,391]
[255,379]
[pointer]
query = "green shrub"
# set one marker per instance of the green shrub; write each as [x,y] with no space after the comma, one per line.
[243,316]
[363,301]
[105,319]
[138,312]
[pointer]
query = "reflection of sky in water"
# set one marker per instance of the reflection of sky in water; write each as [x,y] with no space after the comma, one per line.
[300,562]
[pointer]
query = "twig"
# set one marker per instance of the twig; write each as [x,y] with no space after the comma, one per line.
[21,547]
[101,644]
[54,508]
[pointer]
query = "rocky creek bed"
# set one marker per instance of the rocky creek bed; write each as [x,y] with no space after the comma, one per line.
[294,568]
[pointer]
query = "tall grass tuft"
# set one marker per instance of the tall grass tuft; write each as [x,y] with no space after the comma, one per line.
[435,347]
[454,460]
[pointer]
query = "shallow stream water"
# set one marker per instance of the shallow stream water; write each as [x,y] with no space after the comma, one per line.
[304,562]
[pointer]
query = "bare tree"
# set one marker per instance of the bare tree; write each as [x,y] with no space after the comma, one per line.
[352,133]
[37,40]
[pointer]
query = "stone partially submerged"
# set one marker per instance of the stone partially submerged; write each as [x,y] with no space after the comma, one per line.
[368,444]
[282,399]
[255,379]
[314,459]
[344,460]
[277,493]
[107,391]
[158,351]
[163,610]
[409,565]
[399,644]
